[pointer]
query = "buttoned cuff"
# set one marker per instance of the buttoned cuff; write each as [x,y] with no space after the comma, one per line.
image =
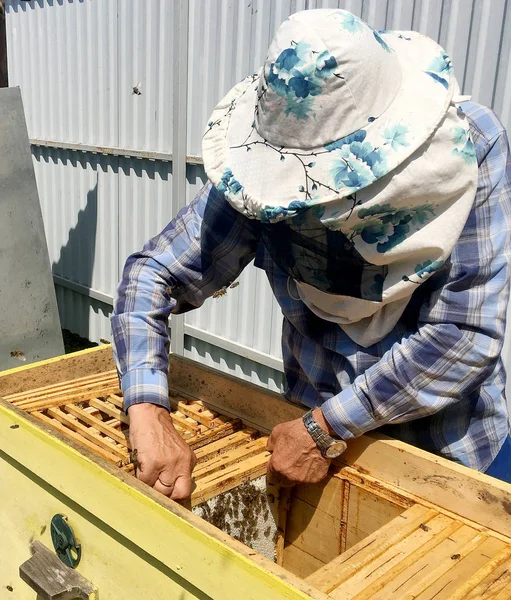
[347,415]
[145,385]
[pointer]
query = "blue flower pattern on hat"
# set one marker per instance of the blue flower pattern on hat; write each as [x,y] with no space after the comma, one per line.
[382,42]
[440,69]
[350,22]
[357,163]
[297,75]
[425,269]
[387,226]
[229,183]
[464,145]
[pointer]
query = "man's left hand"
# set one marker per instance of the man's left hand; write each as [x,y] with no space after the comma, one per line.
[296,458]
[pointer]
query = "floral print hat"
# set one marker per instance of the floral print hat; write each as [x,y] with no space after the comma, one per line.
[364,128]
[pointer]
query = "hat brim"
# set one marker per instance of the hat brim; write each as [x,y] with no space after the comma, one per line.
[270,183]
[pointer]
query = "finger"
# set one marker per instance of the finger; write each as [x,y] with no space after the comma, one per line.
[182,488]
[147,474]
[270,443]
[275,477]
[164,488]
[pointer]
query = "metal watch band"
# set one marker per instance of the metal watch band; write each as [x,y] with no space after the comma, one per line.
[322,438]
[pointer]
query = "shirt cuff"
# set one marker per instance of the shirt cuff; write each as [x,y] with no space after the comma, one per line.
[347,415]
[145,385]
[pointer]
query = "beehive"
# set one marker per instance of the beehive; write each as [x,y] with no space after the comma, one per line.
[390,521]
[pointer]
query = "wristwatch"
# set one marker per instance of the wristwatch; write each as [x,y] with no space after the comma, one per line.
[328,446]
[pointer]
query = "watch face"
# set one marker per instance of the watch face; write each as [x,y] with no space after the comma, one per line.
[335,449]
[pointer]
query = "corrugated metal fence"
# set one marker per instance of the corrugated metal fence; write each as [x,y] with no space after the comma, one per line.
[117,93]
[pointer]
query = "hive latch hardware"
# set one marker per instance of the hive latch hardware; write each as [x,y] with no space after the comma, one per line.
[64,541]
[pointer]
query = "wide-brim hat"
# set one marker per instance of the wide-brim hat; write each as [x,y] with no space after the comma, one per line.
[336,106]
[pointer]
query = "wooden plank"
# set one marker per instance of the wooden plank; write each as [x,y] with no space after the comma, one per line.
[346,492]
[366,582]
[497,583]
[231,457]
[109,409]
[102,426]
[300,563]
[211,435]
[224,444]
[402,497]
[223,481]
[462,570]
[51,579]
[185,422]
[375,486]
[196,410]
[313,531]
[486,500]
[343,567]
[87,432]
[26,399]
[326,495]
[92,446]
[367,513]
[410,577]
[56,370]
[486,572]
[63,386]
[116,400]
[67,398]
[230,396]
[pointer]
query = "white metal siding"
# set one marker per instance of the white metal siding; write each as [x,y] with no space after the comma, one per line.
[78,63]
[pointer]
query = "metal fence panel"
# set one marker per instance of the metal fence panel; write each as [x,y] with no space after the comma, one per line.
[106,76]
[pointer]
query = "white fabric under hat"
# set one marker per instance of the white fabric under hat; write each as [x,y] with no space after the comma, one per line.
[358,131]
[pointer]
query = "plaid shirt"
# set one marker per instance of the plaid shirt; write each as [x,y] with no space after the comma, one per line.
[437,381]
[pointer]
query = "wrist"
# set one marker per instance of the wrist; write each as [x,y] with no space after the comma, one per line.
[146,409]
[320,419]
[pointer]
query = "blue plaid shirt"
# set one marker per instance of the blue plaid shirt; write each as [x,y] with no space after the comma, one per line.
[437,381]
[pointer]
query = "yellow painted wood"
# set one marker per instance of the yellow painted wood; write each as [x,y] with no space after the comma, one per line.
[118,569]
[189,551]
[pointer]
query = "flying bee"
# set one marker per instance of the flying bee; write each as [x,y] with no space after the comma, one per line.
[220,293]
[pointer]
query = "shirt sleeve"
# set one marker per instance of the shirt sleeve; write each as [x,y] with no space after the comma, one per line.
[202,250]
[461,324]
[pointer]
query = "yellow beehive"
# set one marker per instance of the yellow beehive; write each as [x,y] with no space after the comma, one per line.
[390,521]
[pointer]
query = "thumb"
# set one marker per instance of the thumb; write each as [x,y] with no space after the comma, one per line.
[270,443]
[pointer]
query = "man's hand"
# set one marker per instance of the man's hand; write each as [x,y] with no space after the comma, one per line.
[165,461]
[296,458]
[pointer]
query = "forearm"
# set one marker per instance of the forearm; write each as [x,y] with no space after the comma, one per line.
[202,250]
[139,327]
[435,367]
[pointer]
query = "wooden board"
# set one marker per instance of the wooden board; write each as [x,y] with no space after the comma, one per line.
[136,543]
[342,535]
[367,513]
[314,527]
[89,410]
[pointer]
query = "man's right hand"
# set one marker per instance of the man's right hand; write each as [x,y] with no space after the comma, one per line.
[165,461]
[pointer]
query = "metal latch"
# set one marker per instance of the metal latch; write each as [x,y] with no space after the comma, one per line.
[64,541]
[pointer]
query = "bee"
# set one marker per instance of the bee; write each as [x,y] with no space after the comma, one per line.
[18,354]
[220,293]
[234,285]
[134,459]
[136,89]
